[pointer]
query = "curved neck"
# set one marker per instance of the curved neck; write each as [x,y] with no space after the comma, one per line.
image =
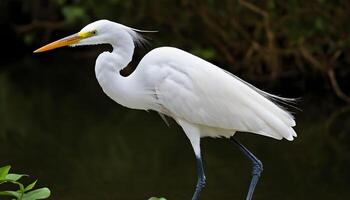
[123,48]
[121,89]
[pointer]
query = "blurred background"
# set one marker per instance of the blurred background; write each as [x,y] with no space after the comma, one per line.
[58,126]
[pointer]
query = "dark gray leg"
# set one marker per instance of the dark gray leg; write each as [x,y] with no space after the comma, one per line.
[257,167]
[201,178]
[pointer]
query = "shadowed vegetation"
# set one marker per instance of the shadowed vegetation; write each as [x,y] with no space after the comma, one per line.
[263,41]
[56,123]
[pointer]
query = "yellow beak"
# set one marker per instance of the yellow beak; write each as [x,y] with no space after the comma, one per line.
[72,39]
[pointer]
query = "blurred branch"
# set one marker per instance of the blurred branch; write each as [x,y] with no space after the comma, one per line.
[254,8]
[335,86]
[270,53]
[48,26]
[328,69]
[39,24]
[263,40]
[310,58]
[210,23]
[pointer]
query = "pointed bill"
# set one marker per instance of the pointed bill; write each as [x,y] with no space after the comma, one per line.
[70,40]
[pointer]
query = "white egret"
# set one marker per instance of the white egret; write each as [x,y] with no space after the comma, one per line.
[203,99]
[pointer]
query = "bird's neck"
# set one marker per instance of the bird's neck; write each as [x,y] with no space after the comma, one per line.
[121,89]
[123,52]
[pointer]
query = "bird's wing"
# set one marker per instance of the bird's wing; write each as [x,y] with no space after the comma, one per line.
[199,92]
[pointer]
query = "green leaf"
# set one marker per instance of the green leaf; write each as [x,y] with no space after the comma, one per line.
[61,2]
[4,171]
[14,177]
[156,198]
[10,193]
[206,53]
[319,24]
[41,193]
[28,38]
[30,186]
[73,13]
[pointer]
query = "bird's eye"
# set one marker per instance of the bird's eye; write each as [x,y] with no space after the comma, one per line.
[94,32]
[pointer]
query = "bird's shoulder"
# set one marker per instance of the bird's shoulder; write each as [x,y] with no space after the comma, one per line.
[167,61]
[168,55]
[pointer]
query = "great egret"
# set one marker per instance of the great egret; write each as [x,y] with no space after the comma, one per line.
[203,99]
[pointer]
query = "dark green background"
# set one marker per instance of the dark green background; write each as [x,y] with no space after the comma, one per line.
[58,126]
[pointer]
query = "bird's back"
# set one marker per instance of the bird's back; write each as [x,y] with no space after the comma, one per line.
[187,87]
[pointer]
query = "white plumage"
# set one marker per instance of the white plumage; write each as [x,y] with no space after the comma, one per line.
[203,99]
[194,90]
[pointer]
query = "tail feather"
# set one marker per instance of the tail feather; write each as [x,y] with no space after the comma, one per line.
[278,121]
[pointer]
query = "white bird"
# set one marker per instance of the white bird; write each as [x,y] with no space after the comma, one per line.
[203,99]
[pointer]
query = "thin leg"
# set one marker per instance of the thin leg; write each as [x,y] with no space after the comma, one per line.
[201,178]
[193,134]
[257,167]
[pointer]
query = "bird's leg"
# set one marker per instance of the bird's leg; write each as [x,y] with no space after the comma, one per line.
[201,178]
[193,134]
[257,167]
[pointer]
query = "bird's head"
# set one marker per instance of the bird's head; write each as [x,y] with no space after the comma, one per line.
[98,32]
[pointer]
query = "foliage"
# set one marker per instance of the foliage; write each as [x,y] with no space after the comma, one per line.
[23,193]
[155,198]
[264,40]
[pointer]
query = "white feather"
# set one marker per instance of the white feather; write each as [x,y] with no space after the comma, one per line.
[194,90]
[205,100]
[186,87]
